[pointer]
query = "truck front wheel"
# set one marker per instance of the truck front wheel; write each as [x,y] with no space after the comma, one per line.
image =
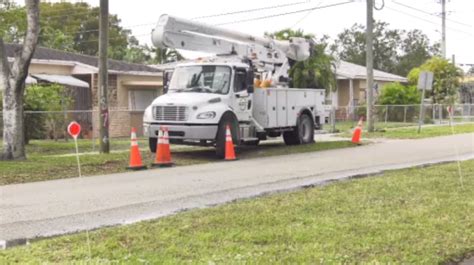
[220,137]
[152,144]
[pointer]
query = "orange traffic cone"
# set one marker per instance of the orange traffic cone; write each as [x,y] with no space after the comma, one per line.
[163,153]
[135,156]
[229,145]
[357,132]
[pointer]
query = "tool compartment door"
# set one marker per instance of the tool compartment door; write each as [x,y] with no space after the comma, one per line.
[293,107]
[272,109]
[282,109]
[259,111]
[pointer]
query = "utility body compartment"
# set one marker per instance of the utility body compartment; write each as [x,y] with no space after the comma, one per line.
[280,107]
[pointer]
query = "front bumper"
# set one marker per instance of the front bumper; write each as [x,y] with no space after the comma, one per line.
[182,131]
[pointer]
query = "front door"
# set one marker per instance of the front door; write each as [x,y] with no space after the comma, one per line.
[241,99]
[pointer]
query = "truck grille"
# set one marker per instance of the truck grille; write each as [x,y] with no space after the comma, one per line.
[170,113]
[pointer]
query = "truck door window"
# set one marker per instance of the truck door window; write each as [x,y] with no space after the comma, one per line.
[240,81]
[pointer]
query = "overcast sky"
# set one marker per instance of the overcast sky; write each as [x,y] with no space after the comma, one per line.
[140,15]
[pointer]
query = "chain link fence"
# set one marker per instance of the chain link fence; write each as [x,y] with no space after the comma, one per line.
[42,125]
[393,116]
[52,126]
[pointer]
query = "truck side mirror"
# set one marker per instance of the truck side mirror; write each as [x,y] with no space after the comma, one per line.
[250,77]
[166,80]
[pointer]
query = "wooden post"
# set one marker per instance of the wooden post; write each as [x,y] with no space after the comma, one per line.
[104,118]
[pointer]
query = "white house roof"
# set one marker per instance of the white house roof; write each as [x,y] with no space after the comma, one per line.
[62,79]
[346,70]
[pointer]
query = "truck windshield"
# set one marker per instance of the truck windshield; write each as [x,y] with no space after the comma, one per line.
[201,78]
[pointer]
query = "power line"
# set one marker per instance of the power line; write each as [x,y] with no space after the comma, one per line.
[304,16]
[252,10]
[427,13]
[286,13]
[429,21]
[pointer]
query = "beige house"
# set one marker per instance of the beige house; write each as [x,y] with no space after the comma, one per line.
[352,87]
[132,87]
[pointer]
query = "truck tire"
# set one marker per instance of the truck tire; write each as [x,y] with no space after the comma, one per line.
[152,144]
[220,137]
[305,130]
[303,133]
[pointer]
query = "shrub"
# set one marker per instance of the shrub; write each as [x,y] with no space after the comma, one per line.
[51,97]
[446,79]
[398,94]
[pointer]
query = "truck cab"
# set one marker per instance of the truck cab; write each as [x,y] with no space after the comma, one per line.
[201,96]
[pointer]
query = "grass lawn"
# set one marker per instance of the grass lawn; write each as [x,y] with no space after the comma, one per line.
[43,165]
[51,147]
[347,126]
[412,216]
[412,132]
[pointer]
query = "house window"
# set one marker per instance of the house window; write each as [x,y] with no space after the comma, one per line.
[139,99]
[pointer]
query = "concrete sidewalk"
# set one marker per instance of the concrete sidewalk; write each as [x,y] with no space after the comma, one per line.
[68,205]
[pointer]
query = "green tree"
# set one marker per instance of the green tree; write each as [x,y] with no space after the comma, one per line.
[395,51]
[315,72]
[137,53]
[166,55]
[12,22]
[446,79]
[69,27]
[414,50]
[398,94]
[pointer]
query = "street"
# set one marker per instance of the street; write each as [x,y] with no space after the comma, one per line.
[63,206]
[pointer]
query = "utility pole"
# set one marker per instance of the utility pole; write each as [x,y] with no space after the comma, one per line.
[370,64]
[103,77]
[443,28]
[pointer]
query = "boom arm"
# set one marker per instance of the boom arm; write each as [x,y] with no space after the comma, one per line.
[172,32]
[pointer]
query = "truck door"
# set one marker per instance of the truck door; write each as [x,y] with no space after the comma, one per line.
[241,100]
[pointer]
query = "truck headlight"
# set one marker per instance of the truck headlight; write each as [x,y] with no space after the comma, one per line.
[206,115]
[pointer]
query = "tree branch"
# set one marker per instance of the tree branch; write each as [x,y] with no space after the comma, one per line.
[19,69]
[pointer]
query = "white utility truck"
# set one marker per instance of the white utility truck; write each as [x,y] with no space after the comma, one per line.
[205,96]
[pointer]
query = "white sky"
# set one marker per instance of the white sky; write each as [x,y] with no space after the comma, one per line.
[330,21]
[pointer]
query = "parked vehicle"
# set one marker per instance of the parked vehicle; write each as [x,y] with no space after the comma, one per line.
[244,87]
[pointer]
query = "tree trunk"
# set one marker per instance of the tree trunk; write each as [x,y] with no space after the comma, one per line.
[12,82]
[13,129]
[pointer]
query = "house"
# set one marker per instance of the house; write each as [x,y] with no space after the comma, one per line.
[351,83]
[131,87]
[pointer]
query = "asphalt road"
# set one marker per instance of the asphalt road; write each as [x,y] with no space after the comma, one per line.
[69,205]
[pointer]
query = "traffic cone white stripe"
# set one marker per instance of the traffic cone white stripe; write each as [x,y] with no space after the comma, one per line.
[134,139]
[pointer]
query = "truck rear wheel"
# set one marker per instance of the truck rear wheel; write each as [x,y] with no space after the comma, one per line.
[306,130]
[303,133]
[220,137]
[152,144]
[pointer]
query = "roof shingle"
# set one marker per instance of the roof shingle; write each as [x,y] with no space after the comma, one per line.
[42,53]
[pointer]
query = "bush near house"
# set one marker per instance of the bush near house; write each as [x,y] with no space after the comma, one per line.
[50,97]
[398,94]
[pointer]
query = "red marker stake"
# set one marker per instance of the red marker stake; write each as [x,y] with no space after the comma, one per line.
[74,129]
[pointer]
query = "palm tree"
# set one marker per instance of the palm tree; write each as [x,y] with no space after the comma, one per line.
[165,55]
[317,70]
